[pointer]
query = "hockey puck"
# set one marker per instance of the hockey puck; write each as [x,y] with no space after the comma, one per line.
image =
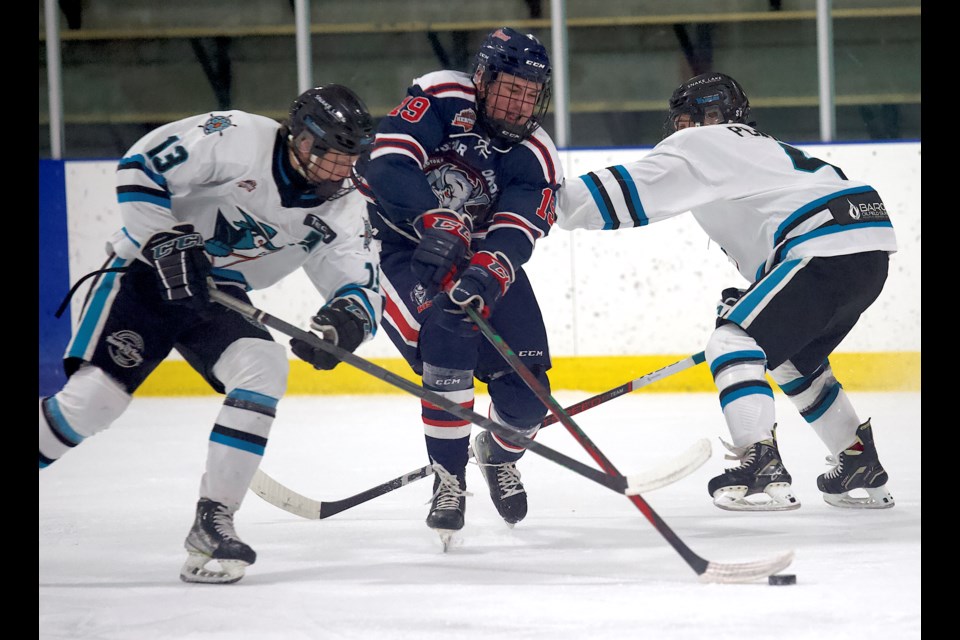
[783,578]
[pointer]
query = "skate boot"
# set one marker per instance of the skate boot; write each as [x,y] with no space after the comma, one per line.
[760,483]
[857,467]
[503,479]
[448,505]
[213,537]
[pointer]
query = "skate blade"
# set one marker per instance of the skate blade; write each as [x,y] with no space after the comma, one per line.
[195,570]
[449,538]
[876,498]
[777,496]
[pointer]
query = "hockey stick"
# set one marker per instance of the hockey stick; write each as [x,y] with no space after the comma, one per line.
[708,571]
[279,495]
[617,482]
[285,498]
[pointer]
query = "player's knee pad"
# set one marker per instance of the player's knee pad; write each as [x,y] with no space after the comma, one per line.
[88,403]
[255,365]
[735,358]
[515,403]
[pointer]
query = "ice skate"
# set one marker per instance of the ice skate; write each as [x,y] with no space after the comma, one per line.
[760,483]
[448,505]
[213,537]
[502,477]
[857,469]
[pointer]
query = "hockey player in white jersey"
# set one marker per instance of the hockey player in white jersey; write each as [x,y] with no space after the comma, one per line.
[243,201]
[813,245]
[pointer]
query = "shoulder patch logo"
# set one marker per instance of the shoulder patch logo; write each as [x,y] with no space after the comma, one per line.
[217,124]
[465,119]
[249,185]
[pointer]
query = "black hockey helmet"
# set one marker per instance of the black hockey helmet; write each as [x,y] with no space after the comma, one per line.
[506,50]
[334,116]
[714,96]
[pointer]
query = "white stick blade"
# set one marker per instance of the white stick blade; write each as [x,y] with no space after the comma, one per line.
[672,471]
[283,497]
[747,571]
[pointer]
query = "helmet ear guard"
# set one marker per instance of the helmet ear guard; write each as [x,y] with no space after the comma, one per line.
[714,96]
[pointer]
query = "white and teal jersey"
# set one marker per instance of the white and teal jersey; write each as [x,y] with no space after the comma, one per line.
[228,174]
[761,200]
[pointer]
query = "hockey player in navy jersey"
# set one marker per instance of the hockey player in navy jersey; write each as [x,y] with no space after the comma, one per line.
[813,245]
[245,201]
[461,182]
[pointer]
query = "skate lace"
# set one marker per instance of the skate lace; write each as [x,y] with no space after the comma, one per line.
[837,462]
[744,454]
[508,478]
[448,492]
[223,523]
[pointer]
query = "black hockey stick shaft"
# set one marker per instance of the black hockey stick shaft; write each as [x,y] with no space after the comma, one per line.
[698,564]
[614,482]
[333,507]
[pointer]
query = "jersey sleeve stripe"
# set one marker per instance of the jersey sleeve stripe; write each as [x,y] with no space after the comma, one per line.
[542,154]
[602,200]
[630,195]
[451,90]
[134,193]
[137,163]
[399,144]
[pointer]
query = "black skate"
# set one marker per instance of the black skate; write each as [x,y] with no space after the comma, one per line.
[857,467]
[214,538]
[449,503]
[760,483]
[503,479]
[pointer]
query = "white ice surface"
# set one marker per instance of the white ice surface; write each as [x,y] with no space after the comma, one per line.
[586,563]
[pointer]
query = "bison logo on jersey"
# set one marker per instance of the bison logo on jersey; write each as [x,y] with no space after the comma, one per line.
[458,191]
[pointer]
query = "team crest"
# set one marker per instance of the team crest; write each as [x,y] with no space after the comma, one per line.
[419,297]
[465,119]
[457,190]
[217,124]
[125,348]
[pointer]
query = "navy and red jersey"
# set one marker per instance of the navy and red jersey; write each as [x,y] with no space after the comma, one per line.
[429,152]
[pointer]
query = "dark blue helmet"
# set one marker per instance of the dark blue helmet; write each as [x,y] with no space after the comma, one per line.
[710,96]
[507,51]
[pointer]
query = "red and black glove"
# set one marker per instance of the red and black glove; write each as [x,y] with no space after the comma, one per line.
[484,281]
[444,240]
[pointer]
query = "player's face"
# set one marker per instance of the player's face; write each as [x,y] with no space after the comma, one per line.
[330,166]
[512,99]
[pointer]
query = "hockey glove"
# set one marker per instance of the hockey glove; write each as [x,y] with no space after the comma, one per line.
[341,322]
[484,281]
[728,298]
[444,240]
[181,265]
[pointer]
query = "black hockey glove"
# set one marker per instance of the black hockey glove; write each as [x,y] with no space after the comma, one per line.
[444,240]
[341,322]
[484,281]
[728,298]
[181,265]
